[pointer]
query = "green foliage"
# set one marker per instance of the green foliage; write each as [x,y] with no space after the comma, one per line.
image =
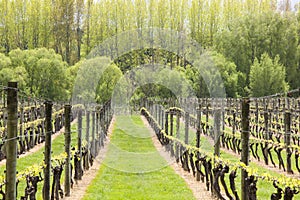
[89,73]
[239,30]
[250,36]
[155,81]
[229,74]
[4,61]
[196,81]
[6,74]
[107,83]
[267,77]
[39,72]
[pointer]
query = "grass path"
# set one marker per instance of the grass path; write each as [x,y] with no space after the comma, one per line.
[133,169]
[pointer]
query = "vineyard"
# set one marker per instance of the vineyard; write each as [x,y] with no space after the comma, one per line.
[237,148]
[28,124]
[264,131]
[149,99]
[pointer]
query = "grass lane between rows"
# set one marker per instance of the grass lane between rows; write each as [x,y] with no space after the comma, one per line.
[131,138]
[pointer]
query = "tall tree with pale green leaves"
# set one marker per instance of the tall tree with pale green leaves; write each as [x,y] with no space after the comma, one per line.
[267,77]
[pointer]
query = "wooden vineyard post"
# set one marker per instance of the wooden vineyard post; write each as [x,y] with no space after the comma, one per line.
[266,136]
[79,144]
[245,146]
[162,118]
[102,124]
[87,138]
[217,119]
[171,122]
[150,107]
[198,134]
[166,122]
[256,117]
[32,118]
[68,149]
[178,115]
[93,152]
[177,134]
[187,122]
[22,146]
[47,154]
[186,140]
[223,115]
[287,130]
[97,135]
[171,130]
[207,113]
[158,114]
[234,128]
[101,121]
[11,141]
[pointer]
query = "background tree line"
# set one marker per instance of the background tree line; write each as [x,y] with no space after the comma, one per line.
[241,33]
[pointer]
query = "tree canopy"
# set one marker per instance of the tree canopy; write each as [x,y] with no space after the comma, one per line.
[43,39]
[267,77]
[40,73]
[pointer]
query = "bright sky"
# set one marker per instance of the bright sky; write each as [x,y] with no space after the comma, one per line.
[294,2]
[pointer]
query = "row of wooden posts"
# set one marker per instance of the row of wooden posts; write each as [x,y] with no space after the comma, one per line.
[233,107]
[100,118]
[165,120]
[12,139]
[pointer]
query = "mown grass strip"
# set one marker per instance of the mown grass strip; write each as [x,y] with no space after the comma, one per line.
[130,135]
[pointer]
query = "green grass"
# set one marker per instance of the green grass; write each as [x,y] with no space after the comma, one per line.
[133,169]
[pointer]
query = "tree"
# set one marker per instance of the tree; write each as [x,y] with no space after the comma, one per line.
[6,74]
[20,20]
[63,27]
[86,24]
[107,83]
[79,10]
[34,24]
[6,25]
[41,72]
[267,77]
[250,36]
[47,24]
[227,69]
[5,62]
[87,79]
[10,73]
